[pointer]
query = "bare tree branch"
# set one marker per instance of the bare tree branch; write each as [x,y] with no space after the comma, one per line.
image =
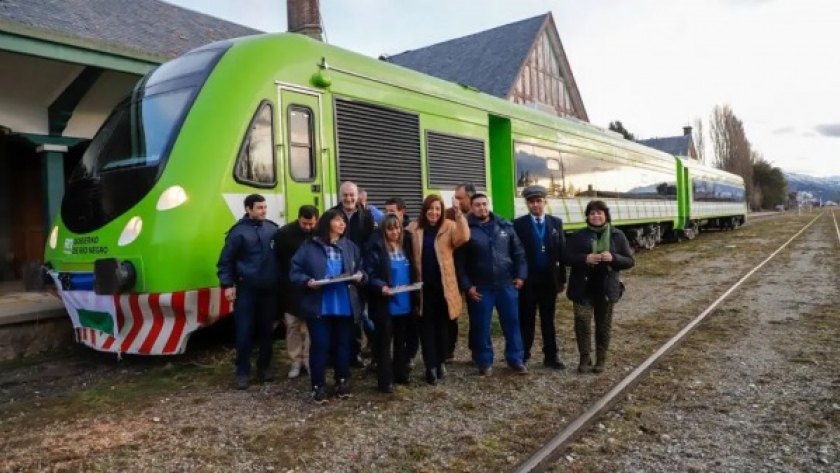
[700,140]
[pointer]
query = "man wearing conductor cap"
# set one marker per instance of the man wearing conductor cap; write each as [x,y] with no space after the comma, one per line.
[542,236]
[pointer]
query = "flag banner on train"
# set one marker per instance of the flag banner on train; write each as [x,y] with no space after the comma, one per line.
[88,309]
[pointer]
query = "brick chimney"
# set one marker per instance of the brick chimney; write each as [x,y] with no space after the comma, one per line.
[687,131]
[304,18]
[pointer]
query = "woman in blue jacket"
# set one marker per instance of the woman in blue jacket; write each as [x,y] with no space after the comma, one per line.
[389,262]
[331,309]
[597,254]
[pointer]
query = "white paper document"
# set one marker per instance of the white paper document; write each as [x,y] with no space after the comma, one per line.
[407,288]
[335,279]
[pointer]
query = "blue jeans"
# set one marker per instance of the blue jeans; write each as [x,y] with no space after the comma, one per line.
[327,332]
[254,310]
[506,301]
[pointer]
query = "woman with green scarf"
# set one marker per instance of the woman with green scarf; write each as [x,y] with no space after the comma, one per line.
[596,255]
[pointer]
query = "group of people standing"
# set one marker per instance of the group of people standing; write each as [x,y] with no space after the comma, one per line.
[411,278]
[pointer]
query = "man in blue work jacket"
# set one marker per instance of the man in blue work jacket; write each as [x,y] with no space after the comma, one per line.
[492,269]
[247,271]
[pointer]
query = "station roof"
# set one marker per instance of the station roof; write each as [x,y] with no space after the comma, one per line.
[149,30]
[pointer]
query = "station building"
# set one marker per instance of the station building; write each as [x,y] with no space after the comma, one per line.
[64,65]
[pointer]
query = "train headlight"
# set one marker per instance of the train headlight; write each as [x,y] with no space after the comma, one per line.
[54,237]
[131,231]
[171,198]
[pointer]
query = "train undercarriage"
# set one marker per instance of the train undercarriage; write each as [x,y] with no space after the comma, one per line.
[648,236]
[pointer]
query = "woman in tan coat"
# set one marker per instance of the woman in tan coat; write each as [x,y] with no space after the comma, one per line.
[434,242]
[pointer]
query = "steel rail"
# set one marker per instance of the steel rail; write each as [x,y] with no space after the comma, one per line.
[546,456]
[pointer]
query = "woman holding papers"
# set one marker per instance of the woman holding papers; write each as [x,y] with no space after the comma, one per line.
[329,268]
[393,301]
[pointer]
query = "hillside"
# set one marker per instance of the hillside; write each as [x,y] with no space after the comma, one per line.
[827,188]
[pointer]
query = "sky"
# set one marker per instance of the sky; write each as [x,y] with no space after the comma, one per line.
[655,65]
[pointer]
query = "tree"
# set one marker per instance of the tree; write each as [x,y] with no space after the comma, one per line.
[700,140]
[617,127]
[733,151]
[770,183]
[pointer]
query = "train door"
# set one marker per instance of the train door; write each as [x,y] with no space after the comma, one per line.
[300,147]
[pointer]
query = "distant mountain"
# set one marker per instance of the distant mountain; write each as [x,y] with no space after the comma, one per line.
[827,188]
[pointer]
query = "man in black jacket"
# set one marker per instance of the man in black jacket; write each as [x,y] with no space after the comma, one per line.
[542,236]
[247,271]
[287,240]
[360,223]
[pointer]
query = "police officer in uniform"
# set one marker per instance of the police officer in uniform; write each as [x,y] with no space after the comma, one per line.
[542,236]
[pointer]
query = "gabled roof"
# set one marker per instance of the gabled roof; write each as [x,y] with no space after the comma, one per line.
[674,145]
[489,61]
[139,28]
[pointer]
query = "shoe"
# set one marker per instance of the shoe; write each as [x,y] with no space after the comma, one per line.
[585,365]
[431,377]
[265,376]
[520,369]
[486,371]
[242,382]
[441,371]
[294,371]
[555,364]
[343,389]
[387,389]
[319,395]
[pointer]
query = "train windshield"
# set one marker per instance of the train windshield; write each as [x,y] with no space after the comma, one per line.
[130,150]
[139,132]
[136,134]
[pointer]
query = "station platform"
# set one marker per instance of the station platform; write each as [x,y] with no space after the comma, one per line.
[31,322]
[18,306]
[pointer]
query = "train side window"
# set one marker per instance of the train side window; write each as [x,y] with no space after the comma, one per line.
[255,164]
[301,144]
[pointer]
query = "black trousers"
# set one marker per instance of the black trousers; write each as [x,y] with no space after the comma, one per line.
[539,295]
[412,338]
[390,348]
[434,328]
[453,338]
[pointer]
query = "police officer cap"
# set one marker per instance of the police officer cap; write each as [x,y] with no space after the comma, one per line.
[534,192]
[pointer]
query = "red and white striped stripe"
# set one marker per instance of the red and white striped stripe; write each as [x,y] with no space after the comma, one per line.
[158,324]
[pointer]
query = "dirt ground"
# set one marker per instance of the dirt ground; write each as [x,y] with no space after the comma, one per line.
[756,389]
[86,411]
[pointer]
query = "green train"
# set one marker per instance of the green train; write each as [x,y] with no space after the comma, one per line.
[143,218]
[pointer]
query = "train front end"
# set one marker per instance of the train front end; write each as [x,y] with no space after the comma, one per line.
[123,253]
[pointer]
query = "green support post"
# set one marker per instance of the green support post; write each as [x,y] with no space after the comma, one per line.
[52,179]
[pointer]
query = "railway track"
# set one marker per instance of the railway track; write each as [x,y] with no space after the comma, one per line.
[546,456]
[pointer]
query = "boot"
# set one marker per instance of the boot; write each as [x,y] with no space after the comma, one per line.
[431,377]
[600,360]
[603,329]
[583,336]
